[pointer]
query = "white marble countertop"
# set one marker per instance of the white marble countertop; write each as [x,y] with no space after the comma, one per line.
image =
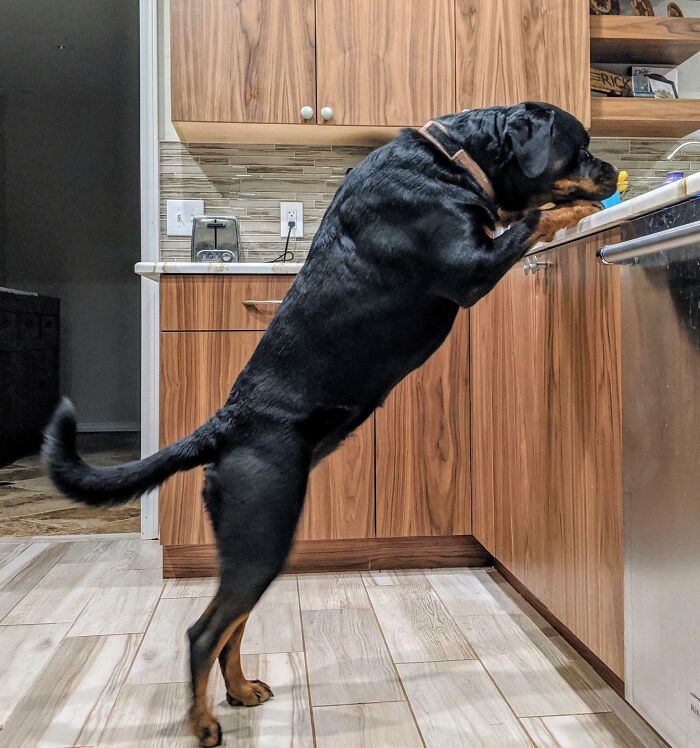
[653,200]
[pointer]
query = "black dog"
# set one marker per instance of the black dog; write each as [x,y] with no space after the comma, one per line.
[406,241]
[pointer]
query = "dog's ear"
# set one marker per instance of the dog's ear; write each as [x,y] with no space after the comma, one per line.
[530,133]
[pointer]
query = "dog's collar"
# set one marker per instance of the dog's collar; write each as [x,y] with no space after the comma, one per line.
[437,134]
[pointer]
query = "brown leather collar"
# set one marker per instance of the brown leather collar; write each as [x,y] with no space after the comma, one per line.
[440,137]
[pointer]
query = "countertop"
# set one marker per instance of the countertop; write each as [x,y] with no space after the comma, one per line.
[653,200]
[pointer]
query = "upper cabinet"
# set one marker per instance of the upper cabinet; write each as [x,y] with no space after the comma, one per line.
[523,50]
[242,60]
[354,71]
[384,62]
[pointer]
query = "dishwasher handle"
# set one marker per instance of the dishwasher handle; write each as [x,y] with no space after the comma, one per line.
[628,251]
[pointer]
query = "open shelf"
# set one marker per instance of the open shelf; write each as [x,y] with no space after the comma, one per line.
[649,40]
[651,118]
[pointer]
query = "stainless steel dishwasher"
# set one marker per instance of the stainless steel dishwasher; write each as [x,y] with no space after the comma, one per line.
[659,263]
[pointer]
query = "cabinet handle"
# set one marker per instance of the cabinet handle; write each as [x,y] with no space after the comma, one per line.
[261,302]
[533,265]
[307,112]
[631,250]
[327,113]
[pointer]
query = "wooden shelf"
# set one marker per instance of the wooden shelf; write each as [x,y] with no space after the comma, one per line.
[657,118]
[644,39]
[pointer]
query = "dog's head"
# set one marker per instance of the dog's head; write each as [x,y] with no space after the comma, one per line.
[534,154]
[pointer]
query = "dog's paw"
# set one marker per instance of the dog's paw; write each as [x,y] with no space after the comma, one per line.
[208,732]
[562,217]
[252,693]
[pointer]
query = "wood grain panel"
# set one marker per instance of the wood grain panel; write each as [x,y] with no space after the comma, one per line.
[385,62]
[244,61]
[517,50]
[203,302]
[658,40]
[343,555]
[197,372]
[546,430]
[644,118]
[423,481]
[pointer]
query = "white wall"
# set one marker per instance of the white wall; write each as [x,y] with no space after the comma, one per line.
[72,191]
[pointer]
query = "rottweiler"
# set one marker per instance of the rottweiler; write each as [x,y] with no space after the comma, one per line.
[407,240]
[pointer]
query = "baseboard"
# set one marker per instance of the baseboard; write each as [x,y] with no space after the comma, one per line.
[92,428]
[610,677]
[364,554]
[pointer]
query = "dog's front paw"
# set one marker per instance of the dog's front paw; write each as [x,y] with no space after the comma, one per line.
[561,217]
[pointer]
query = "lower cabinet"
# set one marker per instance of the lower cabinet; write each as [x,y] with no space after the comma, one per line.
[400,484]
[546,438]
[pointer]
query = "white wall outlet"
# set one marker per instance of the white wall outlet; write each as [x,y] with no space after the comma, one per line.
[292,212]
[180,213]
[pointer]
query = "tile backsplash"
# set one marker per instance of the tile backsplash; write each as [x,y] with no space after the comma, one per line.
[249,181]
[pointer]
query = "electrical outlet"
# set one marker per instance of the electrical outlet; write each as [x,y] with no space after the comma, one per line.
[180,214]
[292,212]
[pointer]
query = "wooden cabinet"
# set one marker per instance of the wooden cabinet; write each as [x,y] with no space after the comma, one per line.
[385,62]
[197,371]
[518,50]
[242,61]
[423,461]
[243,69]
[546,438]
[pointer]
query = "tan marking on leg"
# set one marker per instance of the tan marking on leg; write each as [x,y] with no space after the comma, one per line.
[202,722]
[239,690]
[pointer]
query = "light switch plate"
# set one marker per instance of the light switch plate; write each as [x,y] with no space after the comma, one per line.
[296,212]
[180,214]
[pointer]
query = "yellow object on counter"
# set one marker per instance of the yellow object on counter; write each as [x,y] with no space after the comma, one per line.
[623,181]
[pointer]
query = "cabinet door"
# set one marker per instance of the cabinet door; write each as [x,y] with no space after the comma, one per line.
[524,50]
[422,447]
[385,62]
[197,371]
[546,438]
[510,387]
[242,61]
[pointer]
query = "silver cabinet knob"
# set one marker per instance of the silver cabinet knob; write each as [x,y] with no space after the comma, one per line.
[533,265]
[307,112]
[327,113]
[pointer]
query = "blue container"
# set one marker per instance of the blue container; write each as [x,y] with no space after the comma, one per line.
[614,199]
[672,176]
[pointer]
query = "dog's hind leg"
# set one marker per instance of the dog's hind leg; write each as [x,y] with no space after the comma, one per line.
[258,490]
[239,690]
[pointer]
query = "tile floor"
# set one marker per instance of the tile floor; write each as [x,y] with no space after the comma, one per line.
[30,505]
[92,653]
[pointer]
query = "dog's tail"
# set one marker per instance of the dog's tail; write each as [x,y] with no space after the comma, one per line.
[98,486]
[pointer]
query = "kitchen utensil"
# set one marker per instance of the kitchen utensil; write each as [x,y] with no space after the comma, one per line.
[215,239]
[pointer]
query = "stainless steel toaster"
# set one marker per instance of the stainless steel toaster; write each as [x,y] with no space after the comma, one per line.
[215,239]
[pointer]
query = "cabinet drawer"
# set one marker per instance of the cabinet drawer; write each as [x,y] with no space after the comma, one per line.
[201,302]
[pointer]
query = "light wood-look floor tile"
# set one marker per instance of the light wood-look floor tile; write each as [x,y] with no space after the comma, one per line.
[24,650]
[204,587]
[148,716]
[163,657]
[60,596]
[22,569]
[533,675]
[123,555]
[407,577]
[275,624]
[469,592]
[347,659]
[389,725]
[417,626]
[581,731]
[327,591]
[285,720]
[456,704]
[71,699]
[124,604]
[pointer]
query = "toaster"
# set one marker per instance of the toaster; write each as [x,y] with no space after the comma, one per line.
[215,239]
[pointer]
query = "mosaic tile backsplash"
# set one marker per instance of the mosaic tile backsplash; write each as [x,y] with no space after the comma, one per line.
[249,181]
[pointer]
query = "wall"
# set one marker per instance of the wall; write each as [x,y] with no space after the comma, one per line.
[71,140]
[249,182]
